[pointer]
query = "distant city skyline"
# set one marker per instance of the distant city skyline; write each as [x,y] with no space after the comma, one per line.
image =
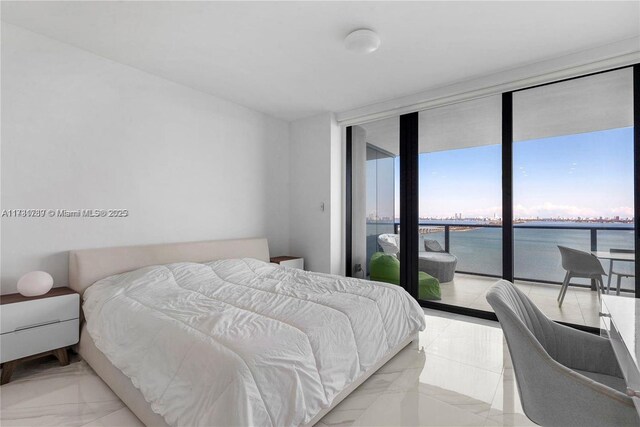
[372,217]
[588,176]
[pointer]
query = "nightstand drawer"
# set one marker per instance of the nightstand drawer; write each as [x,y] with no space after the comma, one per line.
[29,314]
[294,263]
[26,342]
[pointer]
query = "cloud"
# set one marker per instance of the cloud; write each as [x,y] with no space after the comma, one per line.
[484,212]
[551,210]
[624,211]
[545,210]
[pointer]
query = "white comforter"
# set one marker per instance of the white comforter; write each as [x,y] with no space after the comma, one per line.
[244,342]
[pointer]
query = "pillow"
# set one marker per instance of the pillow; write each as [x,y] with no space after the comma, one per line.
[390,243]
[432,246]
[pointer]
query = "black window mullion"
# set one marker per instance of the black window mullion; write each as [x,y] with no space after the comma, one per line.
[636,169]
[409,203]
[507,186]
[349,205]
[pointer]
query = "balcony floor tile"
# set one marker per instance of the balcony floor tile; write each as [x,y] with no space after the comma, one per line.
[580,306]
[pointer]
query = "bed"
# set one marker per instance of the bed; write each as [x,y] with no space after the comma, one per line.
[211,333]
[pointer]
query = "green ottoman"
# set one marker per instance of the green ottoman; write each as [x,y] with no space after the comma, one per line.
[386,268]
[428,287]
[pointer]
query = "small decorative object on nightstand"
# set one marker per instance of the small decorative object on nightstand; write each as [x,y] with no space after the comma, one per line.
[289,261]
[32,327]
[35,283]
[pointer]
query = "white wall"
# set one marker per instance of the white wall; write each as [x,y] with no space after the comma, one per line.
[80,131]
[316,178]
[337,197]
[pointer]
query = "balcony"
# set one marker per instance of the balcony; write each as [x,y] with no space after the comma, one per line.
[580,306]
[537,264]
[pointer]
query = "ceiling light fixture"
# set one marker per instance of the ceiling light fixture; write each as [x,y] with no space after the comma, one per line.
[362,41]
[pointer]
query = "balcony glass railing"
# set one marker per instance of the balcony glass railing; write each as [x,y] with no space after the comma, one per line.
[478,246]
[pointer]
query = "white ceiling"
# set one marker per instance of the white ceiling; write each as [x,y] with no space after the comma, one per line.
[287,59]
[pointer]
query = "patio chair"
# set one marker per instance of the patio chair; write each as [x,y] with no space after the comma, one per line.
[565,377]
[623,269]
[579,264]
[436,262]
[390,243]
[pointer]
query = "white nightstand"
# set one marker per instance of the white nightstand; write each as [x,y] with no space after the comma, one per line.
[32,327]
[289,261]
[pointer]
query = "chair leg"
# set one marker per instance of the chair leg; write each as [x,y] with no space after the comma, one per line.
[566,276]
[609,278]
[562,286]
[563,293]
[7,371]
[619,283]
[563,289]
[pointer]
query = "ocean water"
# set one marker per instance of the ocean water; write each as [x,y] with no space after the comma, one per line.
[536,254]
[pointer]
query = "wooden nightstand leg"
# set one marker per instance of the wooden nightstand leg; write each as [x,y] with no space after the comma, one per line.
[62,356]
[7,371]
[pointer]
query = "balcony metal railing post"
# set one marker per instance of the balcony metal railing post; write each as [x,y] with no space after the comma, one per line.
[594,247]
[446,238]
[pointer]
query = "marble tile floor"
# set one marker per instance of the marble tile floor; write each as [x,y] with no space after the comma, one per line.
[580,306]
[457,374]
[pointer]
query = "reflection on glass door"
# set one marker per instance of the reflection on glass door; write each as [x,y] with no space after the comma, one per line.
[573,187]
[375,215]
[381,197]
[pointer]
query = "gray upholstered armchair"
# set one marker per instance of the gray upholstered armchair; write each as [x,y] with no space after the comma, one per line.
[565,377]
[436,262]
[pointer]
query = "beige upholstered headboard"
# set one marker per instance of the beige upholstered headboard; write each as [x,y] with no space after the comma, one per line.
[90,265]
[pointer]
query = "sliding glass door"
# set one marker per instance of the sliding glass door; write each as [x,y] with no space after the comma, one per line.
[492,187]
[460,199]
[573,186]
[375,165]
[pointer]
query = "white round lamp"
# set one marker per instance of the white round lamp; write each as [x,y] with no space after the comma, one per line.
[362,41]
[35,283]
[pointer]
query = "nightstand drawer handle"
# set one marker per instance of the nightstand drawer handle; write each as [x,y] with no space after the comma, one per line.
[35,325]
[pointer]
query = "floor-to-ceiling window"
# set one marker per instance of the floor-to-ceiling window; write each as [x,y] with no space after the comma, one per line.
[573,186]
[501,182]
[380,196]
[460,198]
[375,168]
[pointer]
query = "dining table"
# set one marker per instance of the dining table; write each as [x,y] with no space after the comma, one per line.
[611,257]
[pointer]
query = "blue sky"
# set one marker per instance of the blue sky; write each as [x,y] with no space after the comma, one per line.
[583,175]
[589,174]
